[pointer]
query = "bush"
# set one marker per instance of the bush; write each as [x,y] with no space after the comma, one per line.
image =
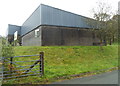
[7,51]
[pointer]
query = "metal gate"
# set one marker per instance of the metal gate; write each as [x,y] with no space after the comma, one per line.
[13,67]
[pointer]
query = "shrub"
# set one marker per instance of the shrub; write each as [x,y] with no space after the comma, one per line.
[7,51]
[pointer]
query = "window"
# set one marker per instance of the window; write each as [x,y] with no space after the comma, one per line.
[37,33]
[15,35]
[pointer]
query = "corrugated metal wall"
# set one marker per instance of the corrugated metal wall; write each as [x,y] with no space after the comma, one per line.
[57,17]
[32,22]
[46,15]
[13,28]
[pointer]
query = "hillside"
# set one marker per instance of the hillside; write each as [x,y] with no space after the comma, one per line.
[68,60]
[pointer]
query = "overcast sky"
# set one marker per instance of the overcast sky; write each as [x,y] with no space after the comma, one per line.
[17,11]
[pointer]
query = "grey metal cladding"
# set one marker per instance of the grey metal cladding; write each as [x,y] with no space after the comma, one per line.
[57,17]
[32,22]
[47,15]
[13,28]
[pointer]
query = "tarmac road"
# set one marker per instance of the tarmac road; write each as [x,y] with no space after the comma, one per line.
[104,78]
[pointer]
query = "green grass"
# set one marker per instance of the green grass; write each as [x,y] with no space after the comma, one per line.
[67,60]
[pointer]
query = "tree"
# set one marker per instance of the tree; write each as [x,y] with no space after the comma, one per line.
[112,29]
[105,23]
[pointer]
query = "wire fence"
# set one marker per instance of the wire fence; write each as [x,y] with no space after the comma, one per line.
[22,66]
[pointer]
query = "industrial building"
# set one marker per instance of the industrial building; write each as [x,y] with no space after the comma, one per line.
[49,26]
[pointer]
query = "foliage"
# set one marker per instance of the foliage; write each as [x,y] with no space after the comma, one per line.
[7,51]
[106,23]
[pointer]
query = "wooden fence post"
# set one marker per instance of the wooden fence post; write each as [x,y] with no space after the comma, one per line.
[42,63]
[11,59]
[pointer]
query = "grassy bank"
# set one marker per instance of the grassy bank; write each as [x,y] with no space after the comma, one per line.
[68,60]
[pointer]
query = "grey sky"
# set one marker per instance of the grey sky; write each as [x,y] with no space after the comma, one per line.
[17,11]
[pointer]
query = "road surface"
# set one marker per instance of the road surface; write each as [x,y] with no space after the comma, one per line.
[105,78]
